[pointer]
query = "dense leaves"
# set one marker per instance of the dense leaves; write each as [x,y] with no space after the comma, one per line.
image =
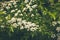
[29,20]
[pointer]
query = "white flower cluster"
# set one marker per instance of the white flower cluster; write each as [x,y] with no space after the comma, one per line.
[53,35]
[58,29]
[9,5]
[23,24]
[29,1]
[54,23]
[29,7]
[13,8]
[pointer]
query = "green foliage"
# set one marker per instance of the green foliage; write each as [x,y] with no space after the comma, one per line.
[44,15]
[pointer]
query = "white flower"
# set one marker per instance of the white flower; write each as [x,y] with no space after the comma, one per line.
[21,27]
[24,21]
[54,23]
[13,20]
[53,35]
[16,14]
[58,29]
[2,26]
[58,22]
[9,4]
[19,23]
[26,15]
[19,19]
[11,1]
[14,3]
[15,25]
[24,9]
[29,23]
[9,21]
[26,1]
[30,3]
[4,4]
[30,9]
[28,6]
[15,6]
[7,7]
[34,6]
[33,24]
[26,26]
[18,11]
[33,29]
[37,25]
[12,11]
[21,14]
[32,15]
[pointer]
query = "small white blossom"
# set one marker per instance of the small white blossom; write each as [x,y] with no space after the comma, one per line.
[26,15]
[33,29]
[2,26]
[24,9]
[26,1]
[21,14]
[4,4]
[18,11]
[13,20]
[21,27]
[24,21]
[53,35]
[19,23]
[54,23]
[33,24]
[32,15]
[15,6]
[15,25]
[19,19]
[30,3]
[30,9]
[26,26]
[9,4]
[12,11]
[9,21]
[29,23]
[58,29]
[28,6]
[34,6]
[11,1]
[14,3]
[58,22]
[7,7]
[16,14]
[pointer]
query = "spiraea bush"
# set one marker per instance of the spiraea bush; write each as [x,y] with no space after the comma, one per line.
[28,20]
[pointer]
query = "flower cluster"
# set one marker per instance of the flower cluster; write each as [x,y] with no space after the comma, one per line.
[29,15]
[29,7]
[54,23]
[23,24]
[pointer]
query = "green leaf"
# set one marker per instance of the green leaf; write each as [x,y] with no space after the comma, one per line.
[53,15]
[2,12]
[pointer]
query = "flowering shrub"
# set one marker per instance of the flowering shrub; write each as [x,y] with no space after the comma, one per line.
[28,20]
